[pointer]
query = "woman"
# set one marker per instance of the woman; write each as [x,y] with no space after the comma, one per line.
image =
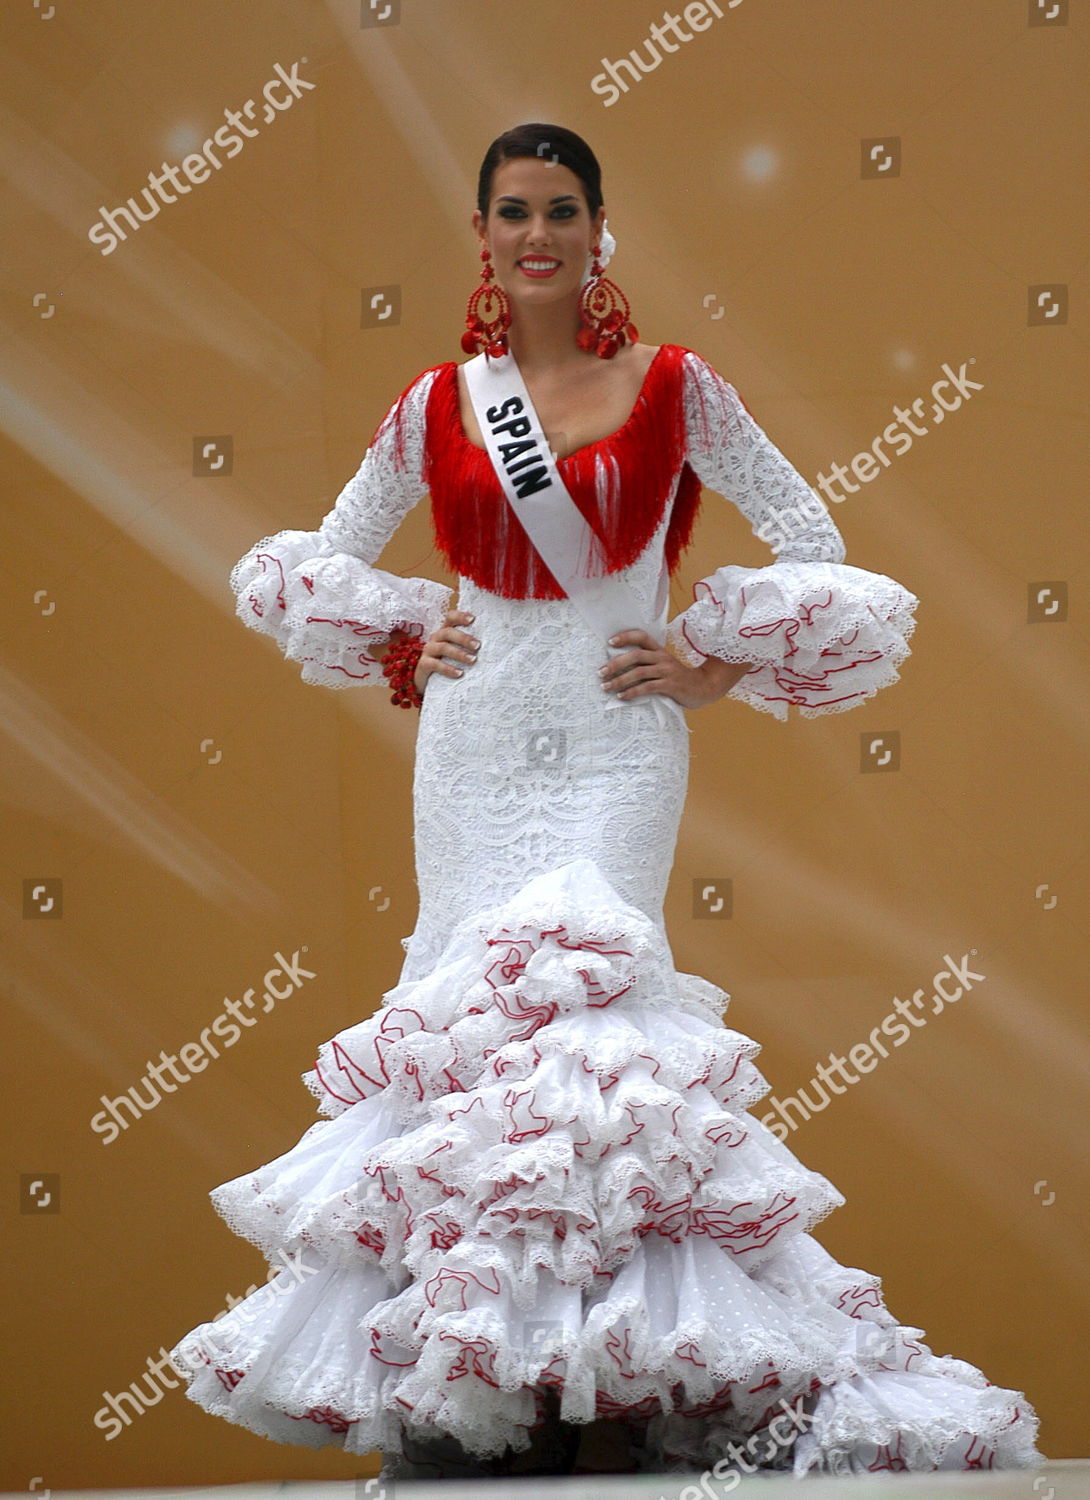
[538,1206]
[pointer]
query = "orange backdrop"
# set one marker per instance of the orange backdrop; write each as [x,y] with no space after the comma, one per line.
[835,201]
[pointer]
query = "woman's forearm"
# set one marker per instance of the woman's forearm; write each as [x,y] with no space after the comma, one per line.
[723,674]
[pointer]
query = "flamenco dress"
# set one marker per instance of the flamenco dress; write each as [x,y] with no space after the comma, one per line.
[539,1183]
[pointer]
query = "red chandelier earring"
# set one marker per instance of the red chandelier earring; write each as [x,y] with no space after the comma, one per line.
[488,314]
[604,311]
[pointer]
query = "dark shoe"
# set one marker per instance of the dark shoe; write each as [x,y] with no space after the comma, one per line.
[608,1447]
[554,1445]
[440,1457]
[553,1448]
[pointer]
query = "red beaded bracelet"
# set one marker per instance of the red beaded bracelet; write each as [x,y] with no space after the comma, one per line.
[399,668]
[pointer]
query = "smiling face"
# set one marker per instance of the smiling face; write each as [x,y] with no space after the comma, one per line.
[539,230]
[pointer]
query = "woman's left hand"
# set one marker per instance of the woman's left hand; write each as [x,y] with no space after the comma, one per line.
[650,668]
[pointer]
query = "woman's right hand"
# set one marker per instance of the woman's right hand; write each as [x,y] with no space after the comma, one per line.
[447,646]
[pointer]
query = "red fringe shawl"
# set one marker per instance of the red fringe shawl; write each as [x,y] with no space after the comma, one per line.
[482,539]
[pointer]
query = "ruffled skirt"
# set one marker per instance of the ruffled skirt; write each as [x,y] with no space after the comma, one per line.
[540,1172]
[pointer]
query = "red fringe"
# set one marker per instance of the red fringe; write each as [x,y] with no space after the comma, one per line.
[481,538]
[395,418]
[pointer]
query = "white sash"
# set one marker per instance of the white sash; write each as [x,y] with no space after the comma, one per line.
[531,481]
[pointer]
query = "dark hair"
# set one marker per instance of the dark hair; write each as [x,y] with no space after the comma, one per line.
[550,143]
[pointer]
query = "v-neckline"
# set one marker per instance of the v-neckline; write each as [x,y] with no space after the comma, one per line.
[584,447]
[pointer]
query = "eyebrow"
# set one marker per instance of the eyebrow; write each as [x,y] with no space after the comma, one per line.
[563,198]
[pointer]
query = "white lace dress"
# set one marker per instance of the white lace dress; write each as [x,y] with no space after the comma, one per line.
[538,1163]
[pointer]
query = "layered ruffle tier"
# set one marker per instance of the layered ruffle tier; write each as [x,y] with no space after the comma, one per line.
[538,1167]
[326,608]
[823,636]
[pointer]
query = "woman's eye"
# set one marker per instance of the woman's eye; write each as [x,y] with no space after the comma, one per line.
[563,212]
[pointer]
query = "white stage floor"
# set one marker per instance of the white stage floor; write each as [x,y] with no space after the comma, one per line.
[1061,1479]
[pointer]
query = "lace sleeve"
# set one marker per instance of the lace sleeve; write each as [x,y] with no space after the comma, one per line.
[318,594]
[822,636]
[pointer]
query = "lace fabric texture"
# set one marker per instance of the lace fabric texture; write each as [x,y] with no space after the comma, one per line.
[538,1164]
[318,593]
[823,636]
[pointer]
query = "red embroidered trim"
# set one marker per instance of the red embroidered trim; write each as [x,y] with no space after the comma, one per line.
[636,468]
